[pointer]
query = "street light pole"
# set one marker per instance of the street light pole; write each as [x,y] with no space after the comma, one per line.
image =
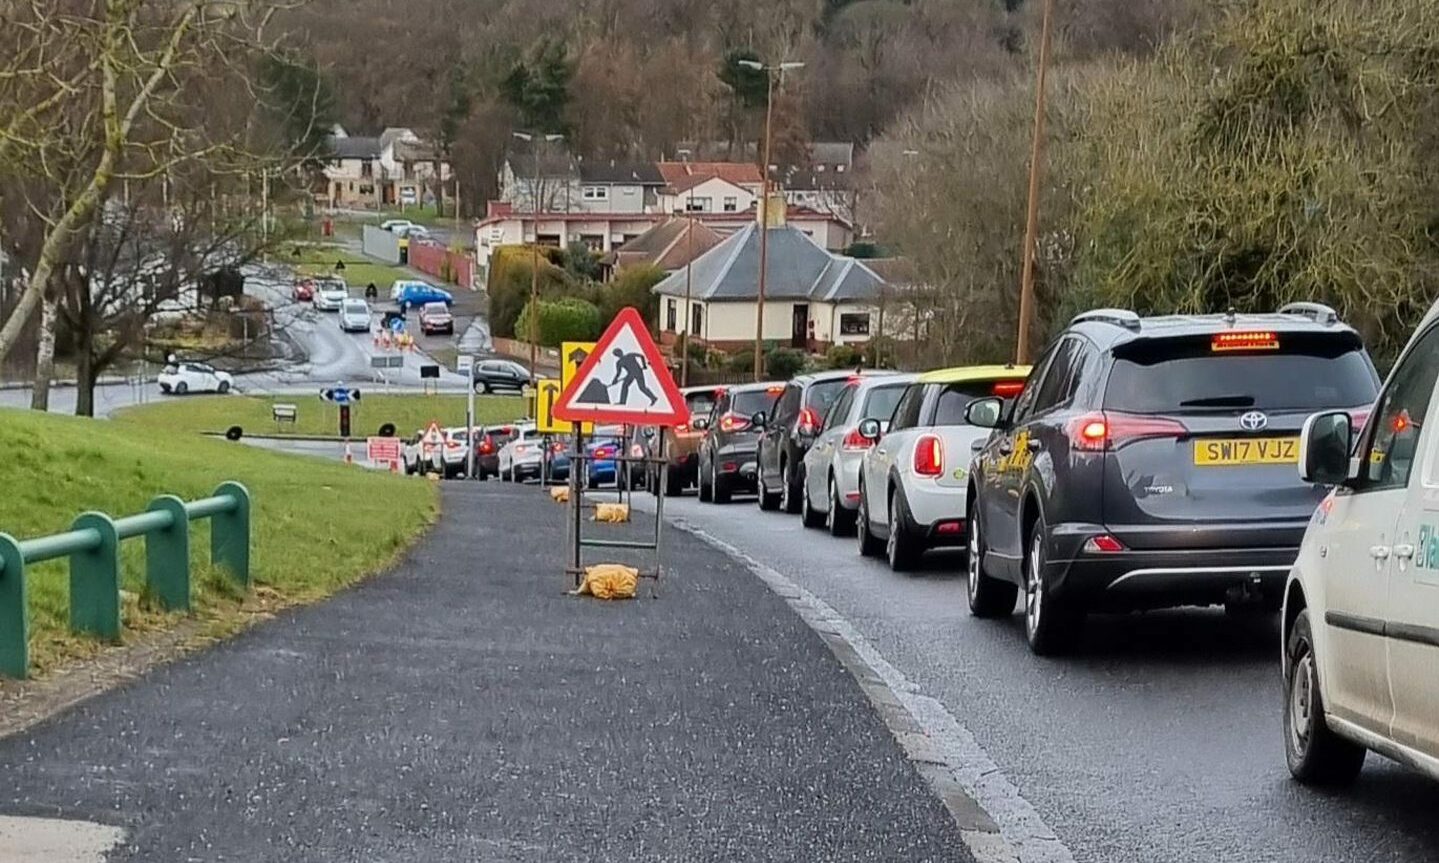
[1031,225]
[689,312]
[535,139]
[763,209]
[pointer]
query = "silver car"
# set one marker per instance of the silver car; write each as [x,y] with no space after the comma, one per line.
[831,466]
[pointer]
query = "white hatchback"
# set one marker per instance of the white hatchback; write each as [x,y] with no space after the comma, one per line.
[1361,606]
[183,378]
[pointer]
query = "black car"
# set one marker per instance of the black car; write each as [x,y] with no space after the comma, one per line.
[727,451]
[487,449]
[1151,462]
[788,430]
[491,375]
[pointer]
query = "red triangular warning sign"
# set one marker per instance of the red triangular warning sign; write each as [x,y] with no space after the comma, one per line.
[624,380]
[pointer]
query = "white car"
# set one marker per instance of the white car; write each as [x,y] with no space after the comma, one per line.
[182,378]
[395,226]
[1361,605]
[329,294]
[913,482]
[831,465]
[450,459]
[413,232]
[521,458]
[355,316]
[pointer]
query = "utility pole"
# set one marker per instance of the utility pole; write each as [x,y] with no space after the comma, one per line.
[535,139]
[1031,225]
[763,209]
[689,312]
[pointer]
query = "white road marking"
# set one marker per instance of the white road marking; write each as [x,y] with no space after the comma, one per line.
[1023,836]
[50,840]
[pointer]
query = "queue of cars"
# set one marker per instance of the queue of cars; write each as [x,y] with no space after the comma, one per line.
[1251,461]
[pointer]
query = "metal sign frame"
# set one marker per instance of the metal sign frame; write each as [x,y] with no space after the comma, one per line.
[576,541]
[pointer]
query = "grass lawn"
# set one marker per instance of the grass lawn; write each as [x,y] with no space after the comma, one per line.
[252,413]
[359,270]
[318,526]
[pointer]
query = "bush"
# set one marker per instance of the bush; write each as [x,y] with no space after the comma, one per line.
[569,319]
[742,361]
[509,286]
[784,363]
[632,286]
[844,357]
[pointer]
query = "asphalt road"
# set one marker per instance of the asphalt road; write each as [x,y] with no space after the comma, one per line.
[461,707]
[1159,741]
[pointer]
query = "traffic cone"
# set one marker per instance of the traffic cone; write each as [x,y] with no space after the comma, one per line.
[394,466]
[349,456]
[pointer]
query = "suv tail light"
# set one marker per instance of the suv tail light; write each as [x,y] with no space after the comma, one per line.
[486,447]
[733,423]
[604,452]
[1103,430]
[856,442]
[929,455]
[808,421]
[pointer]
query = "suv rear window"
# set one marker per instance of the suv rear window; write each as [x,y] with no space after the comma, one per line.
[752,402]
[700,404]
[822,394]
[1177,375]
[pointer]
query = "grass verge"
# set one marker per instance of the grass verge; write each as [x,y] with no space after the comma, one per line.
[318,526]
[200,414]
[359,270]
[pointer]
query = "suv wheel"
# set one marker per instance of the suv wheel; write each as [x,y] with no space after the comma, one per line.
[839,520]
[869,545]
[674,482]
[807,516]
[1316,755]
[706,487]
[1050,625]
[767,501]
[789,490]
[988,597]
[901,549]
[719,486]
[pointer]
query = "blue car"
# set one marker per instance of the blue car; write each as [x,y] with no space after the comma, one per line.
[415,295]
[603,449]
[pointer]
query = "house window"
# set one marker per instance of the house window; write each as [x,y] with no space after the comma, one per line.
[596,193]
[854,324]
[819,169]
[839,169]
[697,319]
[697,205]
[670,313]
[366,169]
[731,203]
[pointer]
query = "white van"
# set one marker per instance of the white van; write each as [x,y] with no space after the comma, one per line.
[1361,610]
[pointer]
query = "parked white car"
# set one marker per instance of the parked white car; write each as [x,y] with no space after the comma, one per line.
[182,378]
[1361,605]
[914,480]
[450,459]
[413,232]
[329,294]
[396,226]
[831,465]
[355,316]
[521,458]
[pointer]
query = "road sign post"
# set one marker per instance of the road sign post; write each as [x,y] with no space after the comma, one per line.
[620,379]
[465,365]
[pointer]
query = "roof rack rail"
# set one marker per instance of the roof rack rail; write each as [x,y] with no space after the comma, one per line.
[1119,317]
[1317,312]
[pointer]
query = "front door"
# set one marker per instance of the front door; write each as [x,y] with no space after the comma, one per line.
[1359,527]
[799,326]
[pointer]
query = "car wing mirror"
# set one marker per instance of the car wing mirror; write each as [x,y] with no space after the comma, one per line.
[985,413]
[870,430]
[758,419]
[1324,447]
[700,423]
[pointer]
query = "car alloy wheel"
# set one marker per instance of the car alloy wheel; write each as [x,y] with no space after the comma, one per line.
[831,518]
[784,489]
[868,545]
[807,514]
[1033,594]
[973,564]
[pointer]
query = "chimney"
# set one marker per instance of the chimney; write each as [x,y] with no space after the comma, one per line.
[771,215]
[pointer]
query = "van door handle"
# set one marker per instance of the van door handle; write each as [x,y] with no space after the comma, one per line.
[1379,552]
[1404,550]
[880,451]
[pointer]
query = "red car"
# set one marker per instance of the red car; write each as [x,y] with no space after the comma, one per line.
[435,318]
[304,290]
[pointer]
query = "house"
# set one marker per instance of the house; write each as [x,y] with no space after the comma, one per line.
[562,183]
[548,181]
[669,245]
[709,187]
[619,187]
[814,298]
[825,183]
[395,168]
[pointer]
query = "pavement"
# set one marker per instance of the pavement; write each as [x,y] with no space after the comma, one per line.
[461,707]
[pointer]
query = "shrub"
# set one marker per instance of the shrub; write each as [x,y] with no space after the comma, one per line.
[784,363]
[844,357]
[632,286]
[568,319]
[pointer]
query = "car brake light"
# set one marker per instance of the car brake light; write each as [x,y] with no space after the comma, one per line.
[1103,544]
[1244,341]
[854,441]
[808,421]
[682,428]
[774,390]
[1007,389]
[1109,430]
[521,449]
[929,456]
[557,447]
[733,423]
[486,447]
[604,452]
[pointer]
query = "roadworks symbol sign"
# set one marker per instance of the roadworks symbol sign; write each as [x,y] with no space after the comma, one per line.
[624,380]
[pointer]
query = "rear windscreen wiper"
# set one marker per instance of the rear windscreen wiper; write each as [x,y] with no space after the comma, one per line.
[1219,402]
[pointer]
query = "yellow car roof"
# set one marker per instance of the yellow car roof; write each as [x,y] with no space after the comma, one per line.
[965,374]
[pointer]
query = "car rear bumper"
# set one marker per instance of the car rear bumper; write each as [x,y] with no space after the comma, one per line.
[738,469]
[934,512]
[1174,570]
[846,479]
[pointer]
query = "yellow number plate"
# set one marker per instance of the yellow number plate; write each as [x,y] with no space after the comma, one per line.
[1250,450]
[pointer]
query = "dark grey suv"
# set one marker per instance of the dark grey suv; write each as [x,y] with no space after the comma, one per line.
[1151,462]
[727,452]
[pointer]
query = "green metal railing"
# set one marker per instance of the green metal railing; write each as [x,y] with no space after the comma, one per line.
[93,546]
